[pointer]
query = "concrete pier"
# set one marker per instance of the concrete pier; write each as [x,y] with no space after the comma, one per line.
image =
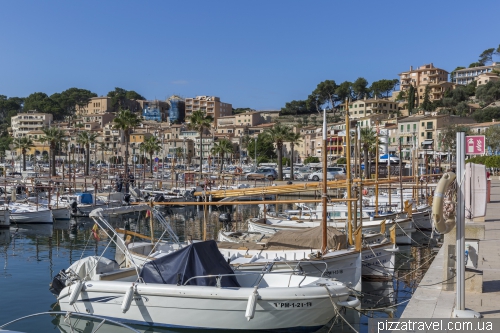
[432,300]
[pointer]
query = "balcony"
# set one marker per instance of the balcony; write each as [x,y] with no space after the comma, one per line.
[433,74]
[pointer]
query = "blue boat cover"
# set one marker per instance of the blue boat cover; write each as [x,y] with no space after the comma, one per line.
[85,198]
[197,259]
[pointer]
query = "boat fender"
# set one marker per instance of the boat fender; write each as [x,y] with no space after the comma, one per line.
[75,292]
[351,302]
[252,303]
[442,225]
[127,299]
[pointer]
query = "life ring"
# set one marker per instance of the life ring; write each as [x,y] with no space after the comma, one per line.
[441,224]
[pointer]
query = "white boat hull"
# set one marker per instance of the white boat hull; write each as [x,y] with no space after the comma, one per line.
[204,307]
[32,217]
[422,220]
[61,213]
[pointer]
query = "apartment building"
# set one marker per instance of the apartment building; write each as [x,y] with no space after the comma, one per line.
[370,106]
[154,110]
[23,123]
[426,75]
[430,125]
[468,75]
[181,149]
[211,105]
[103,104]
[486,77]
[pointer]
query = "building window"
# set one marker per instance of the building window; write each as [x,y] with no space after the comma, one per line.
[422,134]
[402,128]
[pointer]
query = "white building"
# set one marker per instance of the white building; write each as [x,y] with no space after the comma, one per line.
[23,123]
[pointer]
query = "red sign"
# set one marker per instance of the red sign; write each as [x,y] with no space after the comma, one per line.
[475,145]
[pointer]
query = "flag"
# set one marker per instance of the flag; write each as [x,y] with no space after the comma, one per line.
[148,213]
[95,230]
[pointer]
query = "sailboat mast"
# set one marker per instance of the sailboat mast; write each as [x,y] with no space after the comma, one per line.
[348,167]
[323,195]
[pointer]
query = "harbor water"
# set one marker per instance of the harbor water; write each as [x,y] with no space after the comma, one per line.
[33,254]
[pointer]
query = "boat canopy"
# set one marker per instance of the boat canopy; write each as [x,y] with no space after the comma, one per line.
[307,239]
[197,259]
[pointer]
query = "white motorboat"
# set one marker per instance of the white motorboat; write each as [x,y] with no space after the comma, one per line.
[272,224]
[194,287]
[28,213]
[81,204]
[299,249]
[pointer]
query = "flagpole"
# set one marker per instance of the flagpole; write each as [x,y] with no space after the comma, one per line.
[323,195]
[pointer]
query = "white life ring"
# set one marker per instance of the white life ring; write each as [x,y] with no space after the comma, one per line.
[441,224]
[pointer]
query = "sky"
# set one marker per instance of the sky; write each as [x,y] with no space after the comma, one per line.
[257,54]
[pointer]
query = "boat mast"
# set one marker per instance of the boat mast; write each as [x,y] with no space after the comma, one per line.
[348,162]
[323,195]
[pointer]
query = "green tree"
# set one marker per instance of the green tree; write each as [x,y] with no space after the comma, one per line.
[294,139]
[279,134]
[200,122]
[221,148]
[265,148]
[368,141]
[488,93]
[53,136]
[72,98]
[384,86]
[150,146]
[119,97]
[344,91]
[85,139]
[426,103]
[297,108]
[311,159]
[24,144]
[492,135]
[42,103]
[326,93]
[125,121]
[486,56]
[360,88]
[486,114]
[411,99]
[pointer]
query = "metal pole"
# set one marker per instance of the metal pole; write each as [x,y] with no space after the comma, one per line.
[348,161]
[323,195]
[460,302]
[400,175]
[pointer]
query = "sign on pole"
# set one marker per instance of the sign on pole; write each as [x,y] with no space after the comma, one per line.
[475,145]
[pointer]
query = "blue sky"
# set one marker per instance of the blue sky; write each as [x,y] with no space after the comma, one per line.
[258,54]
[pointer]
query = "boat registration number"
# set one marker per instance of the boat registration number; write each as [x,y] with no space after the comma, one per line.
[293,305]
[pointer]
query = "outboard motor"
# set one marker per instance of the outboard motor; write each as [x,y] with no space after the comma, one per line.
[126,198]
[159,198]
[58,283]
[74,207]
[225,218]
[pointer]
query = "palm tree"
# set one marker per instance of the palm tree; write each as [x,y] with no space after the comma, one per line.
[199,122]
[86,138]
[150,146]
[125,121]
[293,138]
[368,140]
[221,148]
[278,135]
[24,144]
[53,136]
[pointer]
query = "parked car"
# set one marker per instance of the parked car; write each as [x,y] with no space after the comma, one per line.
[270,174]
[392,158]
[331,172]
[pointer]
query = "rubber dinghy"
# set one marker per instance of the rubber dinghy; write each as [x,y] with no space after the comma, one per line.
[195,287]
